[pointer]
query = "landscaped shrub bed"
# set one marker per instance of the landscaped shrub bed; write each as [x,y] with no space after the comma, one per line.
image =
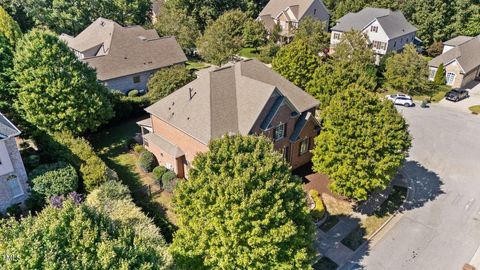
[158,172]
[147,161]
[169,181]
[54,179]
[319,211]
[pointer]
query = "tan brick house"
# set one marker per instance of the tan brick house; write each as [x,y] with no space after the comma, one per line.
[244,98]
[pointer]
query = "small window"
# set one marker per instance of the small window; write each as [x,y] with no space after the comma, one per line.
[304,144]
[314,11]
[279,132]
[136,79]
[450,78]
[374,28]
[395,44]
[336,36]
[433,72]
[14,185]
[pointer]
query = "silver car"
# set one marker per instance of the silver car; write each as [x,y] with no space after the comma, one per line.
[401,99]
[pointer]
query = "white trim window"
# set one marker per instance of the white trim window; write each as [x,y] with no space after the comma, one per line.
[279,132]
[336,35]
[432,74]
[374,28]
[304,145]
[14,185]
[450,78]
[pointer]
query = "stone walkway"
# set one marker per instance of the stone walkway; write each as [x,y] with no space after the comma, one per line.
[329,243]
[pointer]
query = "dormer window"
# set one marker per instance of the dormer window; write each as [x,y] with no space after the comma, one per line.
[279,132]
[314,11]
[374,28]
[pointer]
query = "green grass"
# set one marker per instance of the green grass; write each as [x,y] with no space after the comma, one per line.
[440,94]
[475,109]
[196,65]
[325,264]
[111,145]
[250,52]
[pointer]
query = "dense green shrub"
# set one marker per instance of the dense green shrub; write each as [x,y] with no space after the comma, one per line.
[77,151]
[169,181]
[319,211]
[133,93]
[139,149]
[54,179]
[158,172]
[126,107]
[147,161]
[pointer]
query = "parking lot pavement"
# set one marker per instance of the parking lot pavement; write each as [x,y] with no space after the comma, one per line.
[441,229]
[463,105]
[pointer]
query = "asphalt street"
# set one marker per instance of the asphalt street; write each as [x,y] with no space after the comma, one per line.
[441,227]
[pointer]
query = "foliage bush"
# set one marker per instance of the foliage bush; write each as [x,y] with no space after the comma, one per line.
[63,146]
[158,172]
[319,211]
[169,181]
[166,81]
[126,107]
[133,93]
[268,52]
[139,149]
[147,161]
[54,179]
[439,78]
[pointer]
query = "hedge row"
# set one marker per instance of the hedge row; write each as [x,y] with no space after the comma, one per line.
[63,146]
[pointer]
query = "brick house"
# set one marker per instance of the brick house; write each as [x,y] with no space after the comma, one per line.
[124,57]
[13,177]
[461,60]
[243,98]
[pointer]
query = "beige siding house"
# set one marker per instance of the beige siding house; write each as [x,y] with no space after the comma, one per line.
[386,30]
[243,98]
[13,178]
[124,57]
[289,13]
[461,60]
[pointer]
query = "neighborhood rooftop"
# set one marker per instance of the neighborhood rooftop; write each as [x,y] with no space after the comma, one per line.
[120,51]
[227,100]
[275,7]
[7,129]
[467,54]
[393,22]
[456,41]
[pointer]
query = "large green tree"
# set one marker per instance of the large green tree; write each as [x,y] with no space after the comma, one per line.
[9,28]
[223,38]
[72,16]
[75,237]
[254,34]
[57,92]
[363,143]
[407,72]
[6,63]
[296,62]
[314,33]
[176,22]
[167,80]
[351,63]
[241,208]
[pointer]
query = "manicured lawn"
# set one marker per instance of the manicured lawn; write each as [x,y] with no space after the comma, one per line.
[196,65]
[250,53]
[475,109]
[112,146]
[435,97]
[325,264]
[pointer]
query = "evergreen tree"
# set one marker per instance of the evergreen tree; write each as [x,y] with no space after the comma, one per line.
[440,75]
[241,208]
[363,143]
[57,92]
[254,34]
[9,28]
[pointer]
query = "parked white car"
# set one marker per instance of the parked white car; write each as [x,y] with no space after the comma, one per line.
[401,99]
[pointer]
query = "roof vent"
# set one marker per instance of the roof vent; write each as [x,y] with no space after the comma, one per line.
[191,93]
[102,23]
[142,38]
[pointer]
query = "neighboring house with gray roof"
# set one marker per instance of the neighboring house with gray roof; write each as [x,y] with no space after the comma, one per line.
[13,178]
[386,30]
[124,57]
[243,98]
[461,60]
[289,13]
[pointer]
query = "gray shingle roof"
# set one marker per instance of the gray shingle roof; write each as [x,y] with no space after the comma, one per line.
[467,54]
[393,22]
[227,100]
[165,145]
[7,129]
[457,41]
[274,7]
[124,51]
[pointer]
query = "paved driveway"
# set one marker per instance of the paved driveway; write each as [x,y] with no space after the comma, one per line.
[441,229]
[474,99]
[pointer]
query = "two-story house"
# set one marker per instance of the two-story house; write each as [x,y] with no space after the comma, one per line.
[461,60]
[386,30]
[124,57]
[289,13]
[243,98]
[13,178]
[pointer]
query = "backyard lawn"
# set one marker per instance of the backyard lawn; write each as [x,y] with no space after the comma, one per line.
[196,65]
[112,146]
[250,52]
